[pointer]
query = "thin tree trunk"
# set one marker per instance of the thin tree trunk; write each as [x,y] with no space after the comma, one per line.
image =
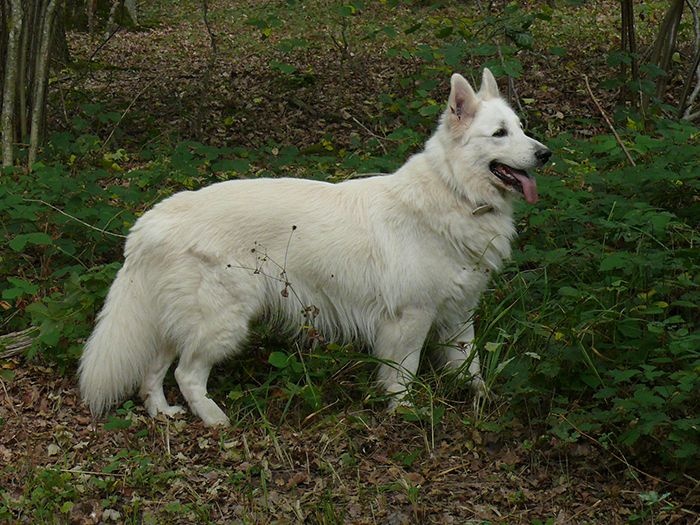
[111,20]
[687,100]
[198,120]
[60,52]
[685,108]
[629,45]
[22,74]
[32,28]
[40,81]
[91,7]
[3,39]
[624,33]
[133,9]
[664,45]
[7,124]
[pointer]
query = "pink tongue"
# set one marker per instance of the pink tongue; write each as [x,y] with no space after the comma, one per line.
[529,186]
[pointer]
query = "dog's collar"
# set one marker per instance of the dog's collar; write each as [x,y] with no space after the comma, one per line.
[482,209]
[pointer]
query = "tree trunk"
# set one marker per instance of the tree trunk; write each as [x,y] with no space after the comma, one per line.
[629,45]
[664,45]
[4,23]
[22,78]
[687,100]
[59,45]
[40,81]
[7,123]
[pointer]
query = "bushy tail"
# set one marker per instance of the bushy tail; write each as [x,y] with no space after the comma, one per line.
[124,341]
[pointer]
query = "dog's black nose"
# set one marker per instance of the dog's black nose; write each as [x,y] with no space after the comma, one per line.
[543,155]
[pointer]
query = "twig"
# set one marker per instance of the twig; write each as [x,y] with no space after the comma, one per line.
[167,436]
[197,123]
[104,43]
[512,91]
[692,116]
[125,112]
[607,121]
[696,484]
[286,250]
[92,472]
[314,414]
[380,140]
[212,35]
[619,457]
[20,341]
[59,210]
[7,396]
[74,78]
[585,508]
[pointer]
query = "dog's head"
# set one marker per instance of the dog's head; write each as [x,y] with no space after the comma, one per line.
[487,148]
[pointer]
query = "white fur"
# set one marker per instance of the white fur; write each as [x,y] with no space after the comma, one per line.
[383,259]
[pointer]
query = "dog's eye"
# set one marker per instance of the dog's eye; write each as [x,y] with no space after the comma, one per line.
[500,133]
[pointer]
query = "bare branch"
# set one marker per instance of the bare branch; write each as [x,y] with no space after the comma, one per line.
[607,121]
[199,116]
[212,35]
[133,101]
[59,210]
[15,343]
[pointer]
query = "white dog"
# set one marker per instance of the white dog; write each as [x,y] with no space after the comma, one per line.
[382,259]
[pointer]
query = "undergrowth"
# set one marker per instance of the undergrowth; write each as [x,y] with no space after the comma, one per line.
[591,332]
[592,328]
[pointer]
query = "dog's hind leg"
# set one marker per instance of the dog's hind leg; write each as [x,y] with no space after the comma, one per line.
[192,374]
[399,342]
[152,386]
[216,337]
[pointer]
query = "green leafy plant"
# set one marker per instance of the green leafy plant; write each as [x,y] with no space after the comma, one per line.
[605,296]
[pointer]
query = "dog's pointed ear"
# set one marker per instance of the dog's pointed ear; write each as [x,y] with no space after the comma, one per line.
[489,87]
[462,104]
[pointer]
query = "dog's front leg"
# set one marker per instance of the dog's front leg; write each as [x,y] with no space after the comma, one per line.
[399,342]
[458,353]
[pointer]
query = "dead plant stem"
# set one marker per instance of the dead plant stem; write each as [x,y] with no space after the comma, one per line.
[608,122]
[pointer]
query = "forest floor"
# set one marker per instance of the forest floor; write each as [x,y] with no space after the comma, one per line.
[347,463]
[343,465]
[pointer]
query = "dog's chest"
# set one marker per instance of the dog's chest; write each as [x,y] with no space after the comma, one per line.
[475,250]
[481,242]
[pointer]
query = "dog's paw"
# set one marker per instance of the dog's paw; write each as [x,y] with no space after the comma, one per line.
[154,406]
[478,387]
[217,421]
[398,402]
[173,410]
[482,394]
[211,414]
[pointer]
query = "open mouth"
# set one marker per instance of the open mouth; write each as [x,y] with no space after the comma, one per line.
[516,179]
